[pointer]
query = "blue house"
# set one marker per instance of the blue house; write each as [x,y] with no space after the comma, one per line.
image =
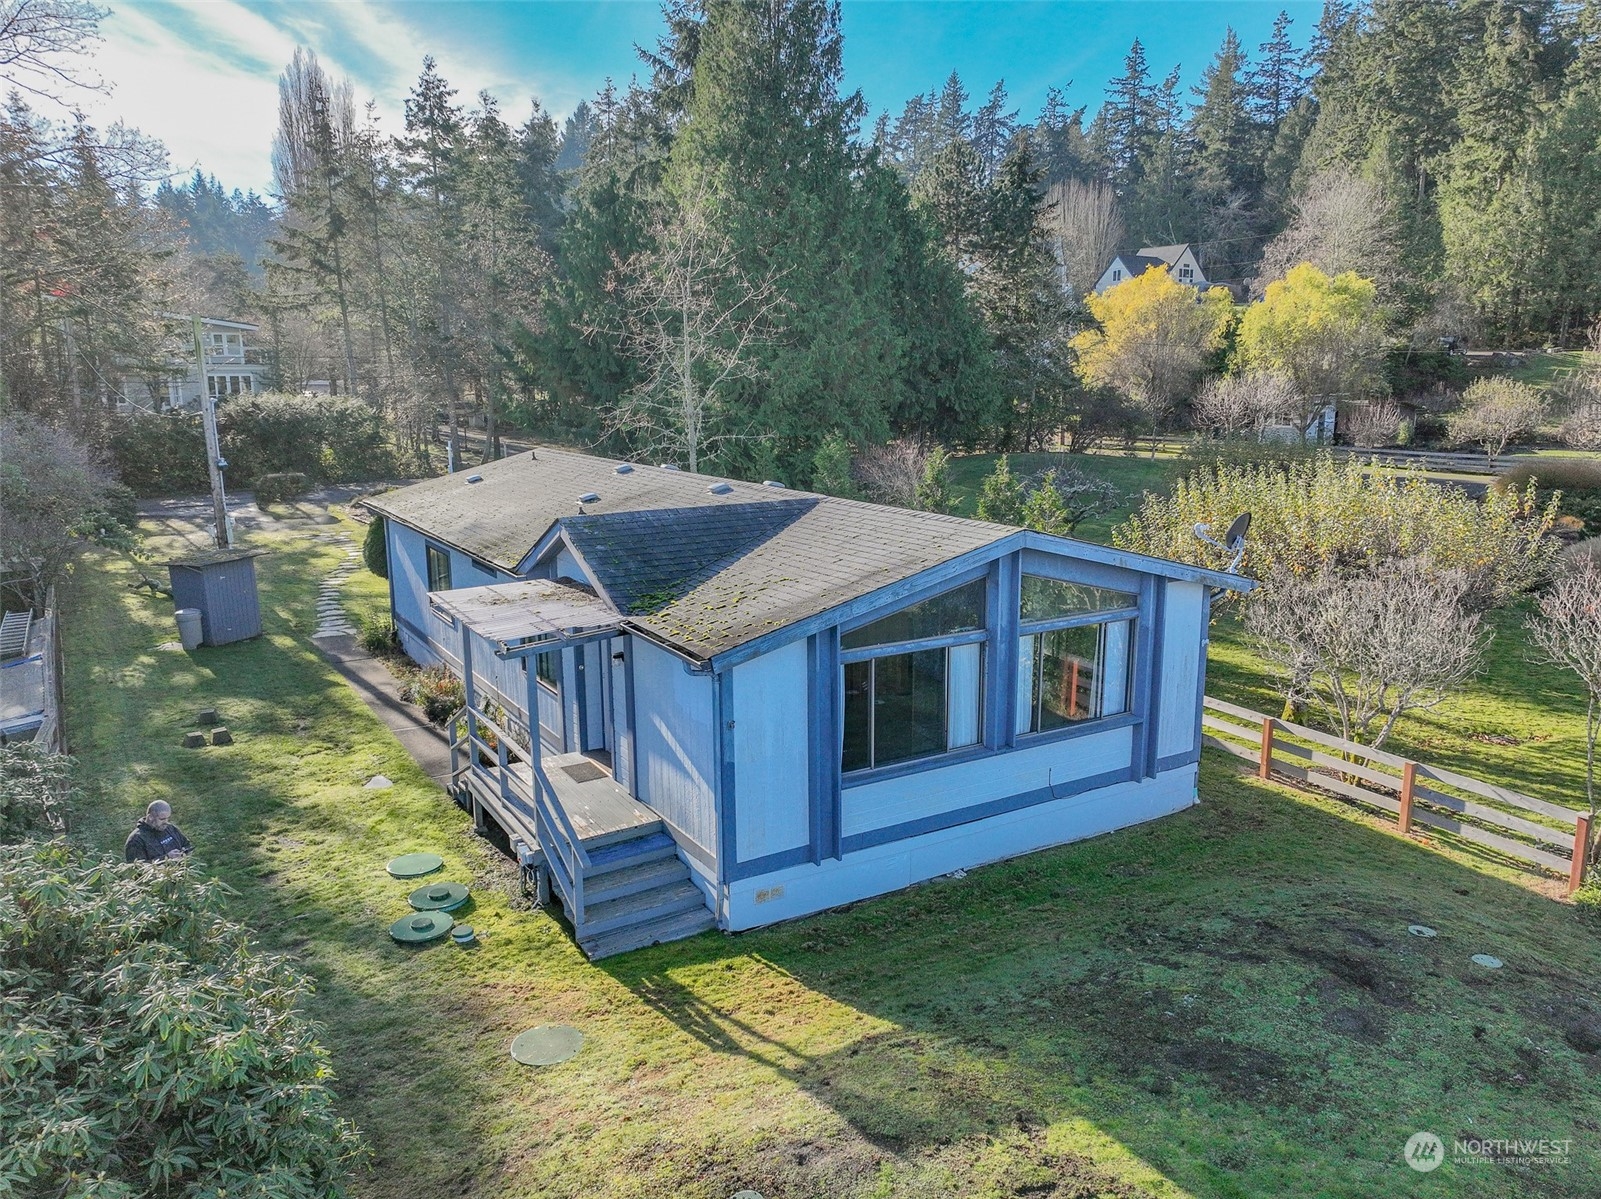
[704,703]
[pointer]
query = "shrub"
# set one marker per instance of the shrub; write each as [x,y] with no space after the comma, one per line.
[276,489]
[1213,454]
[375,548]
[149,1048]
[1351,516]
[160,455]
[438,692]
[1578,479]
[1494,413]
[33,792]
[1001,497]
[380,634]
[327,438]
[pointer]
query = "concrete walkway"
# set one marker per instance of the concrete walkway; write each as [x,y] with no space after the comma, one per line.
[380,690]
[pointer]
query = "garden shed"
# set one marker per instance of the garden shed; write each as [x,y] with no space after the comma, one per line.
[221,584]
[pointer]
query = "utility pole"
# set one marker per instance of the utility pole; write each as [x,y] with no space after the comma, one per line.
[214,463]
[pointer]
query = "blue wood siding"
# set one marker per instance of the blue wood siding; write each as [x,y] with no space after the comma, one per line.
[801,889]
[674,743]
[771,775]
[1028,769]
[1183,635]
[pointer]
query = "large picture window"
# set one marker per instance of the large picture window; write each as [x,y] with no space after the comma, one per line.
[914,681]
[1076,654]
[438,569]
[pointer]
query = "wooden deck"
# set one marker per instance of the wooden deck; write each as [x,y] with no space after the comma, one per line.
[601,812]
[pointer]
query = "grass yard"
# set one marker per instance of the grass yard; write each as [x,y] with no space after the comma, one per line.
[1222,1003]
[1131,475]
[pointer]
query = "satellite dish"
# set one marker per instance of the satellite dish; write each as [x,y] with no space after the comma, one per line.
[1233,542]
[1234,539]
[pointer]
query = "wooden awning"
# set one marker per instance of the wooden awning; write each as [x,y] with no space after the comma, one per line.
[528,615]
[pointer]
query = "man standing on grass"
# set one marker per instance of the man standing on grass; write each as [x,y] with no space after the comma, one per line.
[156,838]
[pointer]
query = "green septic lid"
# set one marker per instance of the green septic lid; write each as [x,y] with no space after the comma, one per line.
[415,865]
[463,934]
[438,897]
[420,927]
[546,1045]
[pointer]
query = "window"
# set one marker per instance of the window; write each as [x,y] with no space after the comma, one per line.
[438,569]
[1075,657]
[1117,276]
[1186,273]
[907,699]
[227,385]
[547,667]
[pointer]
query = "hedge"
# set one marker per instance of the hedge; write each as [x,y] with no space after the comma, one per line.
[335,439]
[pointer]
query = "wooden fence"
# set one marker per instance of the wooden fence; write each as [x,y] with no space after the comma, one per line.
[1520,827]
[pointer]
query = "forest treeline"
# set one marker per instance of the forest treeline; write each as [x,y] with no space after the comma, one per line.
[724,264]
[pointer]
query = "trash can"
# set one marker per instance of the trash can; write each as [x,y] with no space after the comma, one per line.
[189,627]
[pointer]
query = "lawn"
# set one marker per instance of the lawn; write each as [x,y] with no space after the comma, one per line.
[1132,475]
[1222,1003]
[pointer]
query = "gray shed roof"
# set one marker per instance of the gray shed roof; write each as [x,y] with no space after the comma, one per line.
[701,569]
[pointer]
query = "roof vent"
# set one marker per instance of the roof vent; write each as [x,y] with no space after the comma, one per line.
[772,483]
[475,478]
[668,466]
[720,488]
[625,468]
[589,497]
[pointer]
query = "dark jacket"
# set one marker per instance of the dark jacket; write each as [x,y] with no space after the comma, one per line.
[147,844]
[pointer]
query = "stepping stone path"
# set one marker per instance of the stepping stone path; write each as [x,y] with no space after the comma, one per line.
[331,620]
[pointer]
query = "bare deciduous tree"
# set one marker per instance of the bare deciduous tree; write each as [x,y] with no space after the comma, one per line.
[1369,647]
[892,474]
[50,486]
[1373,424]
[43,45]
[1567,628]
[1084,220]
[1342,222]
[1494,411]
[694,320]
[1230,405]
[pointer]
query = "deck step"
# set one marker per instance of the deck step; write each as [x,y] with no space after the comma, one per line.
[640,907]
[622,835]
[621,854]
[651,932]
[614,884]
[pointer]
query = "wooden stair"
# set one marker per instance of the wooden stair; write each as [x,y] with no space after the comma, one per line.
[637,892]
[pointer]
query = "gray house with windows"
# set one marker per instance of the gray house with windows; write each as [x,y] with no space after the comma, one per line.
[696,702]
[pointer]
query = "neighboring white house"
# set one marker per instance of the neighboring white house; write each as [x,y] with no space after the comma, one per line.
[234,366]
[1179,261]
[705,703]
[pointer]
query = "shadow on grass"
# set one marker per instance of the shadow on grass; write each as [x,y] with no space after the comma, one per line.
[1231,993]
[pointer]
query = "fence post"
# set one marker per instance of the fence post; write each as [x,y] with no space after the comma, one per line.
[1409,778]
[1264,767]
[1581,852]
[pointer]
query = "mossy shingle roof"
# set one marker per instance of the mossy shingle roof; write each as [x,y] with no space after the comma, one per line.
[704,569]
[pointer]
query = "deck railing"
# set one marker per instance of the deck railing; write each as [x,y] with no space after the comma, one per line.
[1543,834]
[563,850]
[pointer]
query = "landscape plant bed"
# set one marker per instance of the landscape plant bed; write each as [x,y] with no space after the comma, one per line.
[1224,1002]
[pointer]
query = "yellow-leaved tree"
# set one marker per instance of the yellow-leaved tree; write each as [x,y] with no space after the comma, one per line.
[1326,333]
[1153,339]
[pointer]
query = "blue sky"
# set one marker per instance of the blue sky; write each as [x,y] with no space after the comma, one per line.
[201,75]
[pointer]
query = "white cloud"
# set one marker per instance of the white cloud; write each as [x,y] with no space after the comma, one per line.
[201,75]
[210,96]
